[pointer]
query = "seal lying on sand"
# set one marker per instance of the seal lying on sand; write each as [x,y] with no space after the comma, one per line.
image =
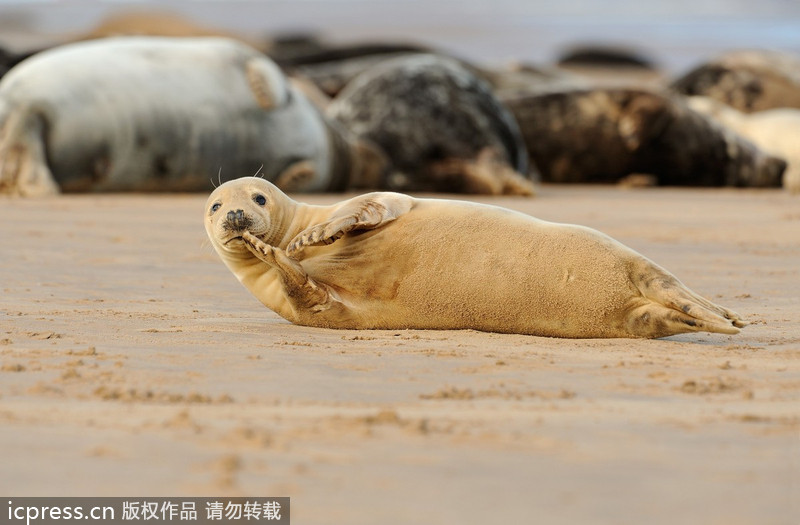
[9,58]
[605,134]
[439,125]
[389,261]
[605,56]
[159,114]
[331,77]
[776,131]
[331,66]
[746,80]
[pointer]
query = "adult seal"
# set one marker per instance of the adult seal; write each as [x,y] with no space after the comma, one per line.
[606,134]
[439,126]
[390,261]
[160,114]
[748,80]
[775,131]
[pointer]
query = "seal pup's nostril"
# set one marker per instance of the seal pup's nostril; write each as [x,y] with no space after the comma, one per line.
[237,221]
[234,216]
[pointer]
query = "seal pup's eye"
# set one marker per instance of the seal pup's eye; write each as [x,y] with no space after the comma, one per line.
[215,207]
[259,199]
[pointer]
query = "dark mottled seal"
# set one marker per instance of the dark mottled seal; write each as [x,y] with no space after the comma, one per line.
[390,261]
[603,135]
[331,77]
[439,125]
[746,80]
[604,56]
[160,114]
[776,131]
[330,67]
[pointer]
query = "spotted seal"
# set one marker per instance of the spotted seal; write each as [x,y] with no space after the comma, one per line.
[439,125]
[605,134]
[748,80]
[776,131]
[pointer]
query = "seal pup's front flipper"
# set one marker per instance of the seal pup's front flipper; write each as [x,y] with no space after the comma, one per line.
[364,212]
[303,292]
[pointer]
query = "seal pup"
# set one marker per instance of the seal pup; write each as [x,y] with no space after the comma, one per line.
[605,134]
[390,261]
[160,114]
[776,131]
[439,125]
[747,80]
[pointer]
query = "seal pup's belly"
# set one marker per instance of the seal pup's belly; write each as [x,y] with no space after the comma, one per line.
[479,267]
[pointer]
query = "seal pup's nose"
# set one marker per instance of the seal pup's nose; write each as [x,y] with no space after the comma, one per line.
[237,221]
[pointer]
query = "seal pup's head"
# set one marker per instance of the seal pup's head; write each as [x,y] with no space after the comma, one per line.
[248,204]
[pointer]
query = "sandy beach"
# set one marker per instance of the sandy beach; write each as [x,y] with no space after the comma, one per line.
[133,363]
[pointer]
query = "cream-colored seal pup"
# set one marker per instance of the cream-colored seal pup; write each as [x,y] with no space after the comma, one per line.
[390,261]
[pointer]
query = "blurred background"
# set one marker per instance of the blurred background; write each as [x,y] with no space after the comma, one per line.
[675,34]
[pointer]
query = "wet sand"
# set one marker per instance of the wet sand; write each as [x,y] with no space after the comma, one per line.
[132,363]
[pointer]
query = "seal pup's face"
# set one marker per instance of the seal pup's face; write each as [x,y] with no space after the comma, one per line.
[238,206]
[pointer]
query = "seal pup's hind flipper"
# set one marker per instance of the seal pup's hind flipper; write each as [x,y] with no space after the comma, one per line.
[669,307]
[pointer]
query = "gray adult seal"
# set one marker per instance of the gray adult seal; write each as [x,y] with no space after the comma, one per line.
[390,261]
[776,131]
[600,55]
[160,114]
[605,134]
[331,67]
[749,80]
[440,127]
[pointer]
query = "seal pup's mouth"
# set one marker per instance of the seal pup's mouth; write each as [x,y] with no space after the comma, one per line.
[237,238]
[260,237]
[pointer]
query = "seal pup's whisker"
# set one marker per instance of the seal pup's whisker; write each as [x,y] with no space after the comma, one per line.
[259,171]
[219,176]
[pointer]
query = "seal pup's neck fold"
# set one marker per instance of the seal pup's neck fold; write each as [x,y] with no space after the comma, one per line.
[290,224]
